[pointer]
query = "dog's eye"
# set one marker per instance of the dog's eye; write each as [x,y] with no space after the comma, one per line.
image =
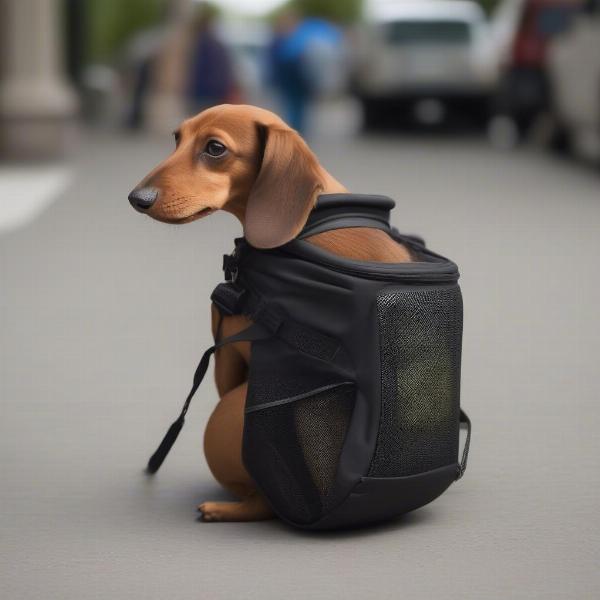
[177,136]
[214,148]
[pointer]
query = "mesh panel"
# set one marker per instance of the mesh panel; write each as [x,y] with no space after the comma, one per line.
[293,449]
[279,371]
[420,342]
[308,340]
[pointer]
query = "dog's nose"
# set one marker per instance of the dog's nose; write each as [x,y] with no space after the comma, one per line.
[143,198]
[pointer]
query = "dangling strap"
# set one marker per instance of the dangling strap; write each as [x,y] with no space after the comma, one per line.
[250,334]
[462,467]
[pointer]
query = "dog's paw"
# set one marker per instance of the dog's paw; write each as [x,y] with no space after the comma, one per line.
[251,508]
[211,511]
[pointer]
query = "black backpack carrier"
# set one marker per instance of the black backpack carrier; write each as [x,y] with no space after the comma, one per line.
[353,405]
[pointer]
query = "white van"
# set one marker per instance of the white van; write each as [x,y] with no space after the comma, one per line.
[410,54]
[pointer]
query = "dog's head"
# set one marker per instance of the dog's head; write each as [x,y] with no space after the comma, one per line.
[241,159]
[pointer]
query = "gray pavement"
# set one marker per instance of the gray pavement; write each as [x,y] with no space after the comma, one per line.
[104,314]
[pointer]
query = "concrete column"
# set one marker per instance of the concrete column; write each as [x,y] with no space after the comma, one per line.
[166,106]
[37,105]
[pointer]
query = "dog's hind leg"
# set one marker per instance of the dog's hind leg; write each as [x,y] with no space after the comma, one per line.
[223,451]
[251,508]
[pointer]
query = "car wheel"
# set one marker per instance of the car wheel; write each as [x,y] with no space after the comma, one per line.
[560,140]
[372,113]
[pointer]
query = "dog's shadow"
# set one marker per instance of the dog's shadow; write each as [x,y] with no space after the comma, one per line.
[392,525]
[186,496]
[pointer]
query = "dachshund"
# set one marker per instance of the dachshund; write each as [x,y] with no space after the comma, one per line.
[246,161]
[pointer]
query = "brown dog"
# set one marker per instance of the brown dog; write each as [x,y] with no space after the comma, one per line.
[246,161]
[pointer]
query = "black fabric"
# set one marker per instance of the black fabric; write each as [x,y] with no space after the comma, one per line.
[295,444]
[229,299]
[376,499]
[353,408]
[336,299]
[279,370]
[357,211]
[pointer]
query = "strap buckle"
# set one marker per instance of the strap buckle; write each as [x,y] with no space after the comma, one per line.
[267,316]
[230,266]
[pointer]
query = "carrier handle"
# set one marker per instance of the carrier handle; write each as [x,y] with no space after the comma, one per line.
[250,334]
[462,467]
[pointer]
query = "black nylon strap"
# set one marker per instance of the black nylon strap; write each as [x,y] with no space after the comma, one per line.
[229,298]
[252,333]
[298,335]
[233,299]
[462,467]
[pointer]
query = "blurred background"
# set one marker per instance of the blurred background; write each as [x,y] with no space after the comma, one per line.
[480,118]
[515,70]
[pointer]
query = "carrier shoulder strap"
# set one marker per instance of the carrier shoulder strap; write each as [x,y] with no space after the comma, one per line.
[232,299]
[252,333]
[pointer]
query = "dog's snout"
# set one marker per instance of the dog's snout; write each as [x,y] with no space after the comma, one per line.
[143,198]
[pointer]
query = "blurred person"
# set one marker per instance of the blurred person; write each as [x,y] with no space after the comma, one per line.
[573,68]
[153,69]
[138,62]
[285,70]
[304,57]
[211,76]
[525,93]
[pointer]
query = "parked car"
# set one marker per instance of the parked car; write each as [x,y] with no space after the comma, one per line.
[574,74]
[523,92]
[421,57]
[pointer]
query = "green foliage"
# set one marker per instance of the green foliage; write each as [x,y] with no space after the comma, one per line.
[347,11]
[340,11]
[488,5]
[112,22]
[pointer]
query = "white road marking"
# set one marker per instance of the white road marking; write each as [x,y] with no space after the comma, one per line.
[25,192]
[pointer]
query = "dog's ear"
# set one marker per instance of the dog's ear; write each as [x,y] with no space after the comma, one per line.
[285,189]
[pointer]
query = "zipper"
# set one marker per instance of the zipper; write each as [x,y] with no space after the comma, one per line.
[237,257]
[367,273]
